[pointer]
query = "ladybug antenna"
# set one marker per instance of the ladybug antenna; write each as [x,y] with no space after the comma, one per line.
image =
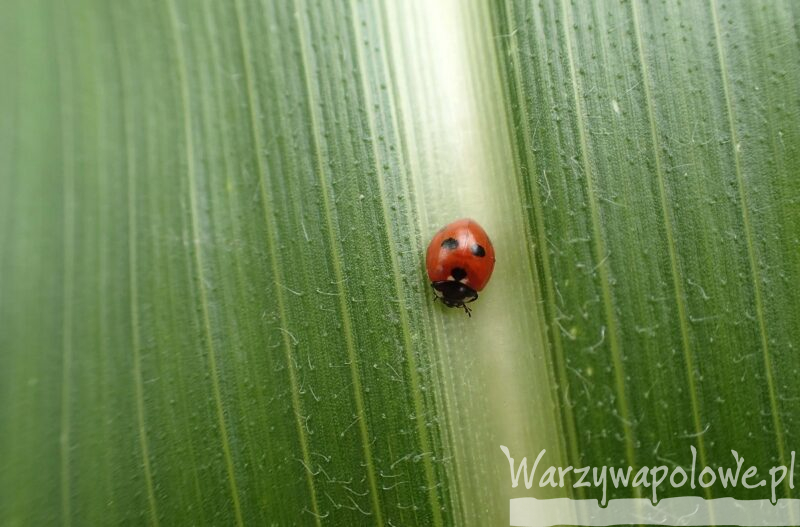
[467,310]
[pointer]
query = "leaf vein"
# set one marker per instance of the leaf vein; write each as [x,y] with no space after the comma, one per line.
[671,246]
[396,273]
[271,244]
[337,266]
[748,234]
[191,174]
[599,245]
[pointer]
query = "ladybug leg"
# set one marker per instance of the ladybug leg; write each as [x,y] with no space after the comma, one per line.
[435,296]
[464,305]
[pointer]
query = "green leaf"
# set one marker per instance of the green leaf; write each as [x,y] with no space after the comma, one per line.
[213,216]
[658,146]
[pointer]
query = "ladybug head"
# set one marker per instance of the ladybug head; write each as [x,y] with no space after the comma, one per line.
[454,294]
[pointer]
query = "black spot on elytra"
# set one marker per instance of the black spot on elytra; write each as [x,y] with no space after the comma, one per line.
[450,243]
[478,250]
[458,273]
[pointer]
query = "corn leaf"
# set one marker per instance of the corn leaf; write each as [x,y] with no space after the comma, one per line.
[213,217]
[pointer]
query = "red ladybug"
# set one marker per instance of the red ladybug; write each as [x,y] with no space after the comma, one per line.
[460,261]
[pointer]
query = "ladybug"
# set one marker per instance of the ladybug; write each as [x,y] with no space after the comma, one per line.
[460,261]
